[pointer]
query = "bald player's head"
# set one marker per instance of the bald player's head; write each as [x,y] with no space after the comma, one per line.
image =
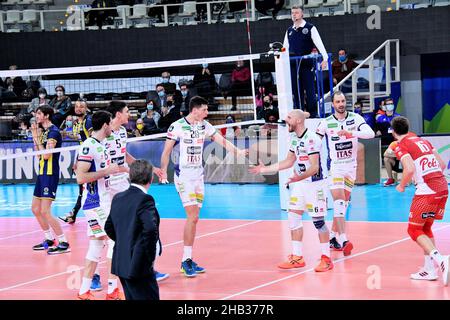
[296,117]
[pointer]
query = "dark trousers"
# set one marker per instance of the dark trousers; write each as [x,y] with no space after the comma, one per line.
[302,81]
[239,88]
[140,288]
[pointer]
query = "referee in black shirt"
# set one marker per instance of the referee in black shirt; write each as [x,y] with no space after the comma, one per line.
[300,39]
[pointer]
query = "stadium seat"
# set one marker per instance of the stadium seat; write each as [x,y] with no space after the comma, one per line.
[10,2]
[123,11]
[139,11]
[29,16]
[25,2]
[12,16]
[331,3]
[313,3]
[189,9]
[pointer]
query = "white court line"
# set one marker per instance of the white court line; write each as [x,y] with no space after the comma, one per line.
[335,261]
[167,245]
[35,231]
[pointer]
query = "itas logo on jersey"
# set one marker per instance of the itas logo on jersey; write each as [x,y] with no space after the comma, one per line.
[429,164]
[344,150]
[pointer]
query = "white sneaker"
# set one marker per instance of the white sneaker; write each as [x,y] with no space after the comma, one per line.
[423,274]
[444,267]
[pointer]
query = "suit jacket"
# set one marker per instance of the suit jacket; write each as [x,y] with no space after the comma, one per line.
[133,224]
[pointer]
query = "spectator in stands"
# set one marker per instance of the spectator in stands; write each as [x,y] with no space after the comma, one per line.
[169,114]
[161,100]
[152,115]
[383,122]
[205,81]
[15,84]
[264,5]
[67,127]
[240,82]
[381,110]
[38,101]
[230,132]
[139,131]
[368,117]
[61,104]
[25,132]
[268,110]
[185,98]
[169,87]
[342,67]
[301,38]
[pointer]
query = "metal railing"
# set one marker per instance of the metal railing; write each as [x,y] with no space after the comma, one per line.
[372,94]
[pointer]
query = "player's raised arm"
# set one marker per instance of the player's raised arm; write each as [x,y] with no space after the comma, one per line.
[216,137]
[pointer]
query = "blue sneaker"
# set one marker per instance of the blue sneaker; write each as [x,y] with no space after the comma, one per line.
[62,247]
[187,268]
[96,285]
[197,268]
[161,276]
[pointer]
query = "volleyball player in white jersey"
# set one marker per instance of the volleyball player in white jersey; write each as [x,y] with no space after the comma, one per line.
[94,169]
[307,189]
[342,130]
[190,132]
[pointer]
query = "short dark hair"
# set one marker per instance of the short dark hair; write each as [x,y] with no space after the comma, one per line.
[42,90]
[297,7]
[115,106]
[61,87]
[99,119]
[46,110]
[141,172]
[400,125]
[342,49]
[388,99]
[197,102]
[337,93]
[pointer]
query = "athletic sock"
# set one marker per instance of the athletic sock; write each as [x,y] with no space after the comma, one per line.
[332,234]
[343,238]
[85,285]
[297,248]
[62,238]
[48,235]
[436,256]
[187,253]
[428,263]
[97,270]
[112,285]
[325,247]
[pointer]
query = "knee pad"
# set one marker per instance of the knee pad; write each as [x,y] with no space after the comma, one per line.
[415,231]
[94,252]
[339,208]
[295,221]
[110,250]
[320,225]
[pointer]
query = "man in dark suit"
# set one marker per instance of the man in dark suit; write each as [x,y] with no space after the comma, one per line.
[133,224]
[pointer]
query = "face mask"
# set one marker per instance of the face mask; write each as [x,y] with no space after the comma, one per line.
[389,107]
[161,93]
[42,95]
[165,80]
[59,93]
[342,58]
[184,93]
[266,104]
[150,107]
[205,65]
[169,103]
[140,126]
[358,110]
[69,124]
[229,120]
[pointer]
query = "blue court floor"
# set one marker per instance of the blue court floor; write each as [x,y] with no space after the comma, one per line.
[228,201]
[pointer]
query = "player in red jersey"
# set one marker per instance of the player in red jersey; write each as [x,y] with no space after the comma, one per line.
[421,161]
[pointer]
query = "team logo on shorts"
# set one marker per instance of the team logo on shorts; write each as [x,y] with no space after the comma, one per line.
[46,191]
[426,215]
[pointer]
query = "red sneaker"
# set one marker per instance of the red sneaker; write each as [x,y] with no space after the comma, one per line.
[86,296]
[115,295]
[325,264]
[293,262]
[389,182]
[347,248]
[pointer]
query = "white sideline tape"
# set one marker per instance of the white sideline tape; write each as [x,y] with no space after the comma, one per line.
[149,137]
